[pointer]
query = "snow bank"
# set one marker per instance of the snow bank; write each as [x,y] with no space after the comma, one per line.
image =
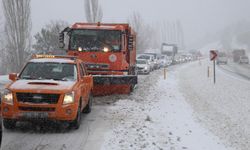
[157,118]
[223,107]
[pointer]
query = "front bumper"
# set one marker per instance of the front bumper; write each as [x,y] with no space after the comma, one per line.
[143,71]
[244,61]
[57,112]
[114,79]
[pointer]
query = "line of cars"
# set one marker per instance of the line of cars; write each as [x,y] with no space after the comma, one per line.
[183,58]
[148,62]
[237,56]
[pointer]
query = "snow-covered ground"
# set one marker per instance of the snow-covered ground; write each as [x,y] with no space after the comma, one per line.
[158,117]
[224,107]
[185,111]
[236,69]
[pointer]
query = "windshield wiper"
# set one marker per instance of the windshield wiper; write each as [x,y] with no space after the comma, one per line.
[63,79]
[28,78]
[56,79]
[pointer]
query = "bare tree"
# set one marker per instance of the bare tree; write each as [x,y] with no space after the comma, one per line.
[145,33]
[47,39]
[172,33]
[93,11]
[180,35]
[17,31]
[2,69]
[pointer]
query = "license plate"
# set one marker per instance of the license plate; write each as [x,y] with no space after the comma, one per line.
[35,114]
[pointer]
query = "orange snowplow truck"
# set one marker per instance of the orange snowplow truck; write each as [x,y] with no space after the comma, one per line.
[109,53]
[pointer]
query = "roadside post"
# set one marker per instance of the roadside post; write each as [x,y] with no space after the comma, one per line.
[213,56]
[208,71]
[165,73]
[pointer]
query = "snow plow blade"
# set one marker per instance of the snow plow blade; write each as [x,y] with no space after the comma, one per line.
[114,79]
[113,84]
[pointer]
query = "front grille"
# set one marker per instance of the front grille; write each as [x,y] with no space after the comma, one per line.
[140,68]
[37,98]
[36,109]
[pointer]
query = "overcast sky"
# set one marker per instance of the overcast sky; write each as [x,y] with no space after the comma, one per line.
[198,17]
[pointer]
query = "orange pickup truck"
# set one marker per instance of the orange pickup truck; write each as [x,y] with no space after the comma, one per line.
[48,88]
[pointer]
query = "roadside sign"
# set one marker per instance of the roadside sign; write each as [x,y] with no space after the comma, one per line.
[213,55]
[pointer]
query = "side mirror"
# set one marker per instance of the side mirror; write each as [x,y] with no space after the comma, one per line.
[13,76]
[61,40]
[61,45]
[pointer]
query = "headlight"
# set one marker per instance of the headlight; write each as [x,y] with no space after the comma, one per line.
[146,68]
[68,98]
[79,49]
[8,97]
[105,49]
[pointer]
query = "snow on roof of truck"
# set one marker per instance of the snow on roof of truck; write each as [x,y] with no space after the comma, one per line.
[103,26]
[53,60]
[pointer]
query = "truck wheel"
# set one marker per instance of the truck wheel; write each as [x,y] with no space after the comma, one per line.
[88,107]
[77,122]
[9,123]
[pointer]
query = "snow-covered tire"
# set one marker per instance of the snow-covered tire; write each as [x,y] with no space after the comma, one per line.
[88,107]
[9,123]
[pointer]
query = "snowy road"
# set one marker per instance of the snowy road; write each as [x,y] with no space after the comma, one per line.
[224,107]
[241,70]
[156,116]
[89,136]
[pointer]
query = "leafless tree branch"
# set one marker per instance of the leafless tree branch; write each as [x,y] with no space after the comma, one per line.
[17,31]
[93,11]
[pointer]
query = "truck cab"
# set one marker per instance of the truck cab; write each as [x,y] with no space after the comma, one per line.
[109,52]
[48,88]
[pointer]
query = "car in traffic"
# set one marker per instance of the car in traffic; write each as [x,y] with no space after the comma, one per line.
[149,58]
[49,87]
[165,61]
[143,66]
[222,58]
[156,58]
[244,60]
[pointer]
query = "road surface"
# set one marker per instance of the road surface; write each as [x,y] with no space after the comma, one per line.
[160,114]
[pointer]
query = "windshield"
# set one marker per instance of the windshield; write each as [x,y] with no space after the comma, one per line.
[222,55]
[169,53]
[144,57]
[95,40]
[50,71]
[141,62]
[244,57]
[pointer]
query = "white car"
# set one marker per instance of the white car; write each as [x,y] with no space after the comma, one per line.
[143,66]
[149,58]
[165,61]
[156,57]
[244,60]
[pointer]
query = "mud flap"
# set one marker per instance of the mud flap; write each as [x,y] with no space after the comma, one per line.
[115,79]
